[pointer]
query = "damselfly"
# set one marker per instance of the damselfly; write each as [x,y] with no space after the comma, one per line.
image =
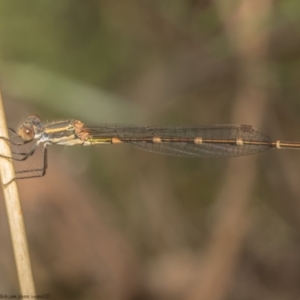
[189,141]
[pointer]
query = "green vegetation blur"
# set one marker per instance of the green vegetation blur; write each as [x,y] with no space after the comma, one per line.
[169,62]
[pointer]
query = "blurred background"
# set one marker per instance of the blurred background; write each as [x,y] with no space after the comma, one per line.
[114,222]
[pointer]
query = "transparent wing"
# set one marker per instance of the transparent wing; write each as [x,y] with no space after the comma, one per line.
[199,141]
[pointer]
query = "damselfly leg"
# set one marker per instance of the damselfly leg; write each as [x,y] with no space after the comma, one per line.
[20,155]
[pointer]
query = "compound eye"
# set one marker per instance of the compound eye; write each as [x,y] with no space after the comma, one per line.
[33,119]
[26,133]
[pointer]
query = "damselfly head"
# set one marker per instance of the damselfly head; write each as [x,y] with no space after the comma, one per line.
[31,128]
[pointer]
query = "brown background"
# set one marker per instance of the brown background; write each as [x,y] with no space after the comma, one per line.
[113,222]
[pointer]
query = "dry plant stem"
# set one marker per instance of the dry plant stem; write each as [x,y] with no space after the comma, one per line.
[14,213]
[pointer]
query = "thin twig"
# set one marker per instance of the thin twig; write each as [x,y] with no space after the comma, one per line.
[14,213]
